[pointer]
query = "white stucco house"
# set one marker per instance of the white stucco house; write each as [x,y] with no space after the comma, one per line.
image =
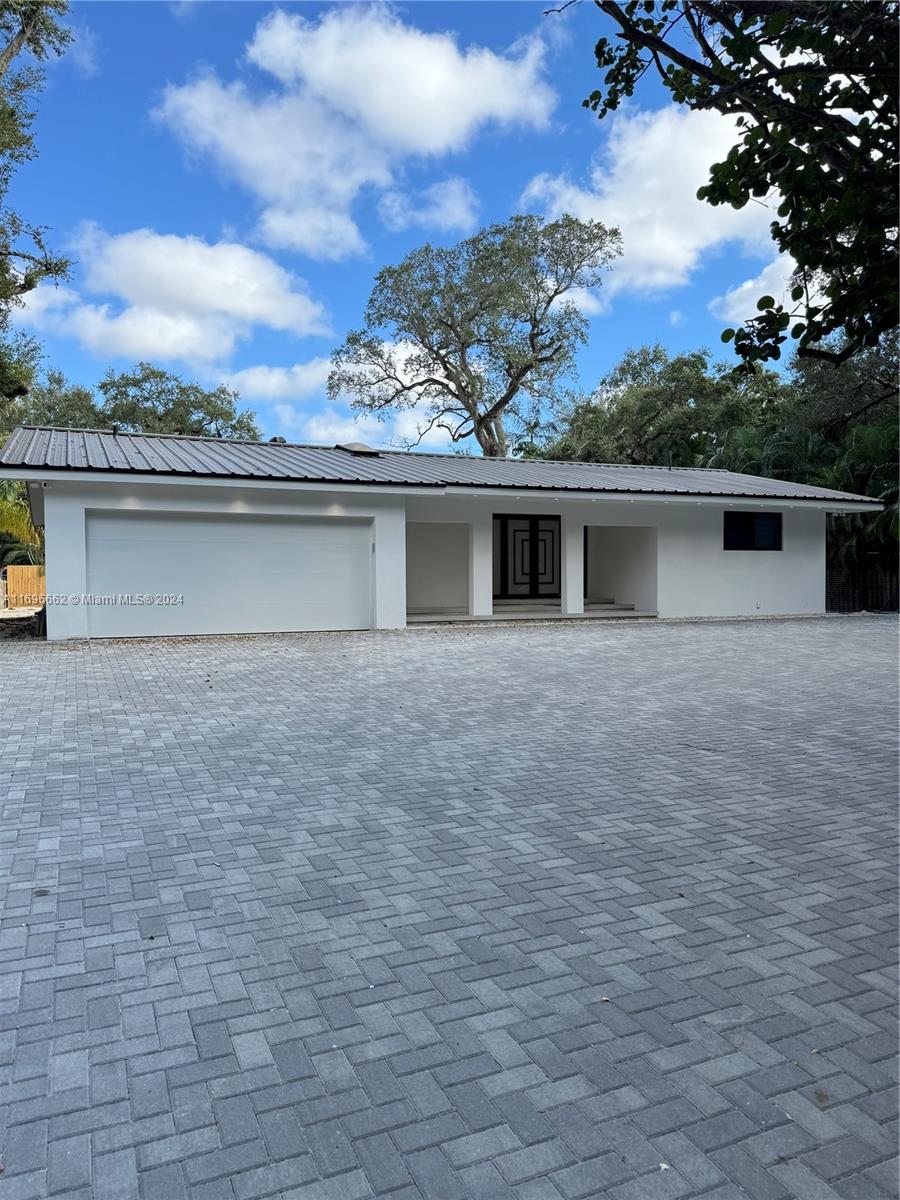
[163,535]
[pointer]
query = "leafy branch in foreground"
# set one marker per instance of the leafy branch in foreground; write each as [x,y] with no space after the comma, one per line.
[29,30]
[813,88]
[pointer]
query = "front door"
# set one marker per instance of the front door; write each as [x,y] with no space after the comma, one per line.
[526,558]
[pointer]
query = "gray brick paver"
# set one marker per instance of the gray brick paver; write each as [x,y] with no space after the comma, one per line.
[525,911]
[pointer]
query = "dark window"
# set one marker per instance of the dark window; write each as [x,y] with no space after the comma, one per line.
[752,531]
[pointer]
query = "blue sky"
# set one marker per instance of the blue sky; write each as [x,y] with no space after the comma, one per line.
[229,178]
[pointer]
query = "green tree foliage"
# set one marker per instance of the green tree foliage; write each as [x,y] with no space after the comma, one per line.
[814,88]
[863,390]
[20,355]
[145,399]
[52,400]
[830,427]
[149,400]
[654,410]
[477,336]
[30,33]
[837,429]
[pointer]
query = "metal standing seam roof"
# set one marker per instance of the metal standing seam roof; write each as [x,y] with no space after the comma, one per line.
[110,453]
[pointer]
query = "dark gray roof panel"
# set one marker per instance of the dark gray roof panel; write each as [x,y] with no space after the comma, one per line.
[162,454]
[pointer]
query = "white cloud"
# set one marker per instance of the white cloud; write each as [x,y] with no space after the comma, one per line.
[676,318]
[139,332]
[188,275]
[304,163]
[328,427]
[416,91]
[407,427]
[331,426]
[133,332]
[281,383]
[591,303]
[44,304]
[360,91]
[184,10]
[450,206]
[646,184]
[84,51]
[739,304]
[313,231]
[171,297]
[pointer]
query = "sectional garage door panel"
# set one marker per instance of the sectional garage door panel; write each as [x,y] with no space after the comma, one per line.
[236,574]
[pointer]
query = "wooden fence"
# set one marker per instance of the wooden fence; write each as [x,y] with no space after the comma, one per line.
[25,587]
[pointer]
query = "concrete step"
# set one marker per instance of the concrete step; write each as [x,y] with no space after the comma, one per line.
[611,612]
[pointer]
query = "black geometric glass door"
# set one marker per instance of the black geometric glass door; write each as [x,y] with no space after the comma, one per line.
[527,550]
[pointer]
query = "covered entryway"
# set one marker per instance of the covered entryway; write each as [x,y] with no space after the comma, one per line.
[620,566]
[437,567]
[226,573]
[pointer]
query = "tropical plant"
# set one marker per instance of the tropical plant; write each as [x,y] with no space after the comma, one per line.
[20,542]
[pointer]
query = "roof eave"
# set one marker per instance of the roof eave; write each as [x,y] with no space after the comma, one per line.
[837,503]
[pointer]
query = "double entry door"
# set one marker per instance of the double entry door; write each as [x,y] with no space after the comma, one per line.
[526,557]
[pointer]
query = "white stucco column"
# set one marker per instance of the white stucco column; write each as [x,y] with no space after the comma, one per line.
[481,565]
[65,553]
[572,565]
[390,568]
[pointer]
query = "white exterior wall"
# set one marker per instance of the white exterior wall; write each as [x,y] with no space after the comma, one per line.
[66,505]
[697,578]
[437,566]
[694,575]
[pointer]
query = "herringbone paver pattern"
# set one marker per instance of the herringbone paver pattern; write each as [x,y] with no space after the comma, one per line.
[471,914]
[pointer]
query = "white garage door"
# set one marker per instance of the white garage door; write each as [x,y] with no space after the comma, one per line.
[229,574]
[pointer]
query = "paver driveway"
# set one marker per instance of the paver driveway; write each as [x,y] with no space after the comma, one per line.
[534,912]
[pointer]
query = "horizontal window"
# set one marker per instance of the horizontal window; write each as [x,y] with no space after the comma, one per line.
[752,531]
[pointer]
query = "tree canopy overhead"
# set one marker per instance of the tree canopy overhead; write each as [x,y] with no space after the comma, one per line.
[813,85]
[476,336]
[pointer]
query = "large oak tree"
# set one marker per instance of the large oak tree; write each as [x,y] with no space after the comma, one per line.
[476,337]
